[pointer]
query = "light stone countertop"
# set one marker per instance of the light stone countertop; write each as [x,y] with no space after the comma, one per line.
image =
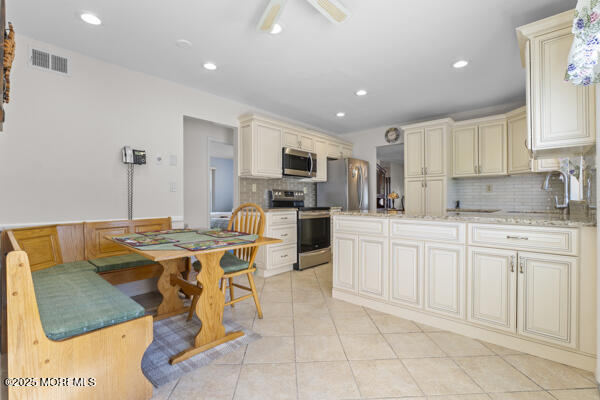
[498,217]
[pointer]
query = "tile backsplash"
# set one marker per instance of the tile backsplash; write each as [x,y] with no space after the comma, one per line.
[264,185]
[510,193]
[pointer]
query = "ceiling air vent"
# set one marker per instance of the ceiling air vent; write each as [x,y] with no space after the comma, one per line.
[50,62]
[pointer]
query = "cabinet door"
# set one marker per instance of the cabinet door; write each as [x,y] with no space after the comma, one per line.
[548,293]
[307,143]
[267,151]
[321,150]
[518,154]
[546,165]
[562,114]
[464,151]
[435,151]
[245,150]
[345,260]
[492,288]
[334,150]
[291,139]
[414,197]
[346,151]
[414,153]
[444,279]
[492,148]
[435,196]
[406,272]
[373,266]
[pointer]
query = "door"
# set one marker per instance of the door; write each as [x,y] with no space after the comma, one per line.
[267,153]
[492,148]
[291,139]
[373,266]
[414,196]
[414,153]
[518,153]
[548,298]
[562,114]
[435,196]
[406,272]
[435,151]
[492,288]
[334,150]
[464,151]
[345,259]
[444,279]
[307,143]
[321,150]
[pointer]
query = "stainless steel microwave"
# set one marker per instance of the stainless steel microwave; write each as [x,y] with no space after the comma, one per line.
[299,163]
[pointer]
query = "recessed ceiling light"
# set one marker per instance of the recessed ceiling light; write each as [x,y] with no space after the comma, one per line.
[276,29]
[460,64]
[210,66]
[341,114]
[183,44]
[361,92]
[90,19]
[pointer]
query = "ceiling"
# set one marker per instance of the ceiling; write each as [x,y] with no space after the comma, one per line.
[400,51]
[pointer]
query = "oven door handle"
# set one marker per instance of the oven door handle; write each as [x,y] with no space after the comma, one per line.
[316,252]
[313,215]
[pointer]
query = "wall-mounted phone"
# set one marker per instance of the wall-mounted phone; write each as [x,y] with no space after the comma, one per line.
[132,156]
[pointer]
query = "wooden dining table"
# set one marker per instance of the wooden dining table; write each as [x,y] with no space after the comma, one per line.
[209,308]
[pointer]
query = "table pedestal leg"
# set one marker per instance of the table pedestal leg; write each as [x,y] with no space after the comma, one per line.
[209,309]
[171,303]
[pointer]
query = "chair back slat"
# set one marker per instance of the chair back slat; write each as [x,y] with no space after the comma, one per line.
[247,218]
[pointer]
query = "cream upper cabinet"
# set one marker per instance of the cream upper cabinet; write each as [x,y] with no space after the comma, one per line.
[321,150]
[297,140]
[345,261]
[414,198]
[518,153]
[406,272]
[492,288]
[414,153]
[444,279]
[334,150]
[426,150]
[346,151]
[464,149]
[435,196]
[561,114]
[259,149]
[373,266]
[492,148]
[548,293]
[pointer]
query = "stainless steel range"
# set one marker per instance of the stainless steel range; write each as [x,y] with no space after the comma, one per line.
[314,239]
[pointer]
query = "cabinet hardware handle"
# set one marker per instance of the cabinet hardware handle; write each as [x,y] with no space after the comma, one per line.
[512,263]
[521,266]
[425,170]
[284,218]
[475,168]
[283,256]
[517,237]
[284,235]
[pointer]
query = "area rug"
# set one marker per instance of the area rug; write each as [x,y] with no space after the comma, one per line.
[175,334]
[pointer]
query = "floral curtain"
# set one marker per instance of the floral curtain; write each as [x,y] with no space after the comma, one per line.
[583,68]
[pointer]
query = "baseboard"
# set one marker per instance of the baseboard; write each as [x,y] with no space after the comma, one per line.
[265,273]
[575,359]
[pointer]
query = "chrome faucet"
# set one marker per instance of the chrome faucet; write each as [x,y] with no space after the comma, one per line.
[563,177]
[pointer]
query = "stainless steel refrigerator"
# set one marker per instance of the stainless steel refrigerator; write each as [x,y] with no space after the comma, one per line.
[347,185]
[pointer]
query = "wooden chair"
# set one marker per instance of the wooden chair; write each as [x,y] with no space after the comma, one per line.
[248,218]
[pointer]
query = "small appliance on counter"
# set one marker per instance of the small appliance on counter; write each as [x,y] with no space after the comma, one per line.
[347,185]
[313,224]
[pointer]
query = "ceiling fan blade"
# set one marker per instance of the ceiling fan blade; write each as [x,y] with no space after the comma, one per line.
[332,9]
[271,15]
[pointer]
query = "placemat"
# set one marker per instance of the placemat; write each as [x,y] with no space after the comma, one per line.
[180,237]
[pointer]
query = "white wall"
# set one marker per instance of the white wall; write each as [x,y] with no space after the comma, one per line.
[197,134]
[60,149]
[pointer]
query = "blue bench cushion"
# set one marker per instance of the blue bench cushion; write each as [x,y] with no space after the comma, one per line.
[112,263]
[76,302]
[229,263]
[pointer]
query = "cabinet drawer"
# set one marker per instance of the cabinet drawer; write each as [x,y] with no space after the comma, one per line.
[430,231]
[282,255]
[539,239]
[287,233]
[282,218]
[363,225]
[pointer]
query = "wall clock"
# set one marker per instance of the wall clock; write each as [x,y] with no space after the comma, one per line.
[392,135]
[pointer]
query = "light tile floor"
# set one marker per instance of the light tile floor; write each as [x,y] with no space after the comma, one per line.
[316,347]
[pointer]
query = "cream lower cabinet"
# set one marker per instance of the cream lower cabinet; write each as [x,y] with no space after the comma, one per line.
[373,266]
[548,298]
[491,290]
[406,272]
[276,259]
[444,279]
[345,261]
